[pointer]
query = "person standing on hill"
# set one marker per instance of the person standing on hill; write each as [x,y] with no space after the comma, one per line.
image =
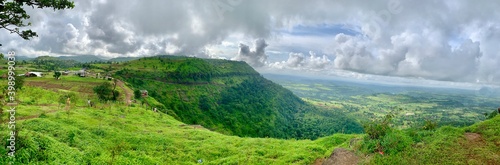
[498,110]
[68,103]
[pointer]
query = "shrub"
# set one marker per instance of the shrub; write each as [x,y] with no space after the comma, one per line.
[72,96]
[105,92]
[370,146]
[19,83]
[137,94]
[429,125]
[492,114]
[395,142]
[43,115]
[377,129]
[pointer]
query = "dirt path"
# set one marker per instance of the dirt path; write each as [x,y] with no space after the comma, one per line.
[31,116]
[475,144]
[128,94]
[474,138]
[340,156]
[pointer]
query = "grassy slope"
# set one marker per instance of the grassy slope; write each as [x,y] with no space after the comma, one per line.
[448,145]
[138,136]
[89,135]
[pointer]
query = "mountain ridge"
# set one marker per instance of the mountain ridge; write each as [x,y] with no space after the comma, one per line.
[230,97]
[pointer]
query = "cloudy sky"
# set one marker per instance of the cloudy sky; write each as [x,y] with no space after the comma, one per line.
[454,41]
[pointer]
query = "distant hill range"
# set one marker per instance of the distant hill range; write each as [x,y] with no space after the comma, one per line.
[82,58]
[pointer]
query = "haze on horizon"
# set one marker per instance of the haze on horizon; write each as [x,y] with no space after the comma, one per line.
[453,41]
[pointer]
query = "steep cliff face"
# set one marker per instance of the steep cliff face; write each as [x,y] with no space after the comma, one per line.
[228,97]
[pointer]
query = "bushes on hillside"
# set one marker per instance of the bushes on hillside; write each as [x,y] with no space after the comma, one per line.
[429,125]
[384,139]
[72,96]
[106,92]
[492,114]
[378,129]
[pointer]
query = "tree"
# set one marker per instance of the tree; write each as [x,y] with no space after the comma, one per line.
[13,16]
[115,92]
[19,83]
[137,94]
[57,75]
[105,92]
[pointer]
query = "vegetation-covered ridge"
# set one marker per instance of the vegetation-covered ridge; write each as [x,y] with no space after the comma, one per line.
[51,132]
[230,97]
[475,144]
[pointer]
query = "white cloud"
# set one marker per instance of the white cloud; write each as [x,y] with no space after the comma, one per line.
[440,40]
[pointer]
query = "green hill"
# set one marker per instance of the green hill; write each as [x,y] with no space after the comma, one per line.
[113,133]
[82,58]
[123,59]
[230,97]
[117,134]
[50,63]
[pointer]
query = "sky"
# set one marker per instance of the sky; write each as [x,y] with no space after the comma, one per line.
[450,41]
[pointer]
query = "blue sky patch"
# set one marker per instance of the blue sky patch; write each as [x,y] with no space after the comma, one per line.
[321,30]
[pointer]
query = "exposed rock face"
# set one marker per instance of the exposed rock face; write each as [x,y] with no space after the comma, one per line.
[341,156]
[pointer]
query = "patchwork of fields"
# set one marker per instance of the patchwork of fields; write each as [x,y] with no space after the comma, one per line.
[411,105]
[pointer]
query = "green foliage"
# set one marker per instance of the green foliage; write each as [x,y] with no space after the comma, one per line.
[14,16]
[362,101]
[137,94]
[476,144]
[71,95]
[395,142]
[138,136]
[430,125]
[492,114]
[105,92]
[378,129]
[382,138]
[53,63]
[57,75]
[19,83]
[90,136]
[232,98]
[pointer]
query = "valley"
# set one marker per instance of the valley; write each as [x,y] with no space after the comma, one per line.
[411,105]
[223,112]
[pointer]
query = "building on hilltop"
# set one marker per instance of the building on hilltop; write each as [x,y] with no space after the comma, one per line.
[34,74]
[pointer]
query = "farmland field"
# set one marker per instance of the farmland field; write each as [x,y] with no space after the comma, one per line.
[411,105]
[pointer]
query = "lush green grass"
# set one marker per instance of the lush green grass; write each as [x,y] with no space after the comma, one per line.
[139,136]
[476,144]
[119,134]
